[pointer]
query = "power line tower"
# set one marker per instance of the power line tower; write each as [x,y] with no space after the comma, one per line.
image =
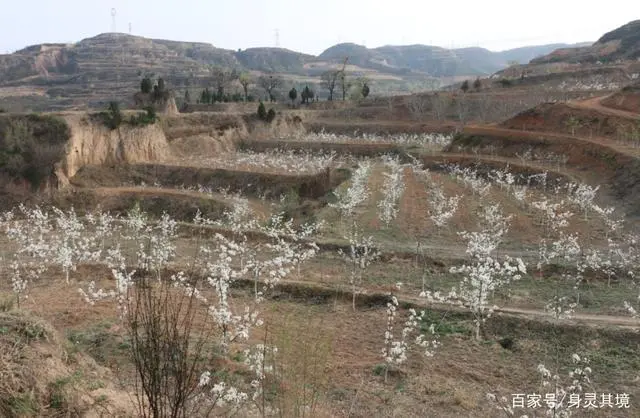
[129,28]
[113,20]
[277,38]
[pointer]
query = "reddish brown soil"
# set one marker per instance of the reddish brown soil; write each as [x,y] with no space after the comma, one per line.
[594,120]
[628,99]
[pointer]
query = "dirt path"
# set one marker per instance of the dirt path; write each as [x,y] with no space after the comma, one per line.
[595,103]
[532,314]
[155,191]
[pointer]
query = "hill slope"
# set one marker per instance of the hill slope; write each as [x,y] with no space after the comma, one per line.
[622,43]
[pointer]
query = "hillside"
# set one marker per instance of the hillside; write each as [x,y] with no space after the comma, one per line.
[622,43]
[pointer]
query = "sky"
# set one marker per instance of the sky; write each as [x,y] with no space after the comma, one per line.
[313,26]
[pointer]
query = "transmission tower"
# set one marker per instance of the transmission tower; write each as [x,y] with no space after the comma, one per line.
[277,38]
[129,28]
[113,20]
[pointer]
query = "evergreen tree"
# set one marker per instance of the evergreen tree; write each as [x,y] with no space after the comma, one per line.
[477,85]
[465,86]
[293,94]
[146,85]
[262,111]
[365,90]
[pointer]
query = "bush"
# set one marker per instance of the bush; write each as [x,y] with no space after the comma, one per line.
[31,145]
[143,119]
[114,116]
[271,115]
[505,82]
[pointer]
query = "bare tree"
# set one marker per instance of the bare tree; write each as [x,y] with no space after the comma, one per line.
[269,83]
[440,104]
[485,106]
[329,80]
[462,107]
[222,78]
[344,83]
[166,348]
[418,104]
[245,80]
[331,77]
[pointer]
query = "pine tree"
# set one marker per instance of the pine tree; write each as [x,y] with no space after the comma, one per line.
[465,86]
[365,90]
[146,85]
[293,94]
[262,111]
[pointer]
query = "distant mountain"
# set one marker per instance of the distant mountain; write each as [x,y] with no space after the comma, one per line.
[105,55]
[619,44]
[111,65]
[433,60]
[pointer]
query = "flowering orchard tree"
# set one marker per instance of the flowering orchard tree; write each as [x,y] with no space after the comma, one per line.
[392,189]
[396,348]
[73,245]
[471,179]
[31,232]
[361,254]
[289,248]
[296,241]
[442,208]
[582,195]
[630,262]
[480,281]
[562,395]
[484,274]
[356,194]
[494,225]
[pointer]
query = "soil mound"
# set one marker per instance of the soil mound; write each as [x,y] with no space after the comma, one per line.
[39,378]
[94,144]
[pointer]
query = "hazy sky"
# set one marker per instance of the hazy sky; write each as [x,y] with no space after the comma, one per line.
[312,26]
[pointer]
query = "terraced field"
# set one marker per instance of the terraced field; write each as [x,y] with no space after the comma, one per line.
[399,221]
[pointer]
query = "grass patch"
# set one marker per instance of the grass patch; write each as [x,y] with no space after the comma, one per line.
[97,341]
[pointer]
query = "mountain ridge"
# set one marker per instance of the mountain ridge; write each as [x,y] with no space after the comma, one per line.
[49,59]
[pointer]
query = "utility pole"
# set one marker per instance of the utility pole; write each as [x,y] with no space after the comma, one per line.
[113,20]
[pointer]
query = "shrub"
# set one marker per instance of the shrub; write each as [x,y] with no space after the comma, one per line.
[31,145]
[143,119]
[505,82]
[271,115]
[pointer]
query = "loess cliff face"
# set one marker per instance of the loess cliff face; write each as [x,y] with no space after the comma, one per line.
[91,143]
